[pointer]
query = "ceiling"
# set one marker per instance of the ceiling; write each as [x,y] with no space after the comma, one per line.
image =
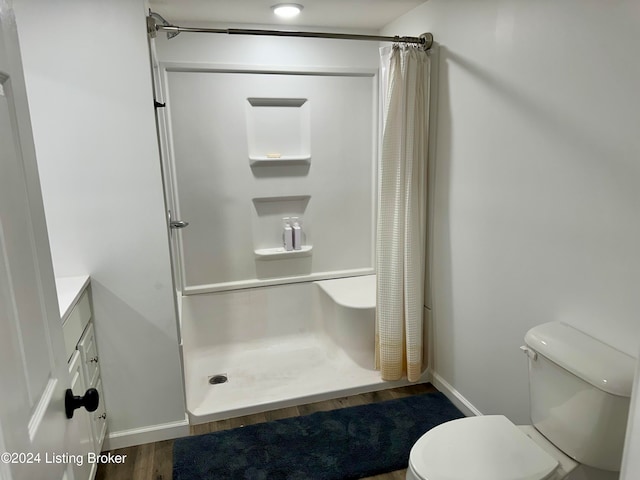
[343,14]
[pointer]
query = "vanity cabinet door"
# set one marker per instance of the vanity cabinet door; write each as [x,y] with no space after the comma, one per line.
[81,423]
[99,423]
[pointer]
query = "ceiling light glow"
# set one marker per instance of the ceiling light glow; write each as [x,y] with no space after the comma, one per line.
[287,10]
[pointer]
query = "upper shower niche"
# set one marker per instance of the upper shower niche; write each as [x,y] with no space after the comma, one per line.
[278,130]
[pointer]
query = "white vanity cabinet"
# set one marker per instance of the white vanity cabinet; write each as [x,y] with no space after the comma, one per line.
[74,297]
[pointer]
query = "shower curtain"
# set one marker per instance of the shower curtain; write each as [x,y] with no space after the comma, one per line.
[401,223]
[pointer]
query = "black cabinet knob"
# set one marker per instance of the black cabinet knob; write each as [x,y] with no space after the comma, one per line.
[90,401]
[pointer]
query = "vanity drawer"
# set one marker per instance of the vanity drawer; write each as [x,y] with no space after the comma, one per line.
[89,354]
[75,324]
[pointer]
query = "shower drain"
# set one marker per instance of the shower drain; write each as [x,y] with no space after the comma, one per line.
[217,379]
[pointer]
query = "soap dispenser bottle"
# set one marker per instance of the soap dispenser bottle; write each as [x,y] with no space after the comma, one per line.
[297,233]
[287,235]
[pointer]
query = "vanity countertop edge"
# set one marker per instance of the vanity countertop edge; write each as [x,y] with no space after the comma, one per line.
[69,291]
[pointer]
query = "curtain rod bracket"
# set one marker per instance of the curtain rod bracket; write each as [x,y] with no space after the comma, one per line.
[427,39]
[153,26]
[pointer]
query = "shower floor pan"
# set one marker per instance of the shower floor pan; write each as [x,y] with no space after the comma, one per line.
[279,346]
[267,376]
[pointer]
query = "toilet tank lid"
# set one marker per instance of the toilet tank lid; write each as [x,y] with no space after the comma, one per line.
[595,362]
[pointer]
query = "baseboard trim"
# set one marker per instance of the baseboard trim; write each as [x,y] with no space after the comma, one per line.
[464,405]
[154,433]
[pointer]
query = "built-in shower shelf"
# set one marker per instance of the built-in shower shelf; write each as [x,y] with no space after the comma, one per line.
[265,160]
[281,253]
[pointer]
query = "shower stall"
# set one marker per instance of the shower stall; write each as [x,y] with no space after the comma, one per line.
[263,138]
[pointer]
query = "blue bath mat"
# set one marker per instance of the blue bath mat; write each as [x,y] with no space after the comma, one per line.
[341,444]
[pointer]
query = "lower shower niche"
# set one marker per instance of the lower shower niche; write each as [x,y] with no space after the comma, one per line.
[279,346]
[272,213]
[268,222]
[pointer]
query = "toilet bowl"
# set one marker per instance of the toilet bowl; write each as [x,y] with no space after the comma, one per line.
[579,391]
[485,448]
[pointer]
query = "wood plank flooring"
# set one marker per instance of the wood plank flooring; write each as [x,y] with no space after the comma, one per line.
[154,461]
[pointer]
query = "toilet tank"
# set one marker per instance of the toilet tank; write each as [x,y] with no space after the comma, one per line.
[579,392]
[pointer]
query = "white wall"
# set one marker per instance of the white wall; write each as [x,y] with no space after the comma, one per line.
[88,77]
[537,170]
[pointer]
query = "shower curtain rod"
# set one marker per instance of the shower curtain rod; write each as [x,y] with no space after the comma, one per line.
[425,40]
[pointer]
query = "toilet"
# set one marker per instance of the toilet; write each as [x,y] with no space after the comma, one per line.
[579,393]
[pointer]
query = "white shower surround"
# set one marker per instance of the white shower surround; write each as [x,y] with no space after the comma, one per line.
[279,346]
[284,342]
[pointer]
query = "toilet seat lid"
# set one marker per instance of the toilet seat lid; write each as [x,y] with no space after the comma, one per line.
[480,448]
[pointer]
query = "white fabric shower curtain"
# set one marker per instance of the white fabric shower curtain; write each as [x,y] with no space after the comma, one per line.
[401,224]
